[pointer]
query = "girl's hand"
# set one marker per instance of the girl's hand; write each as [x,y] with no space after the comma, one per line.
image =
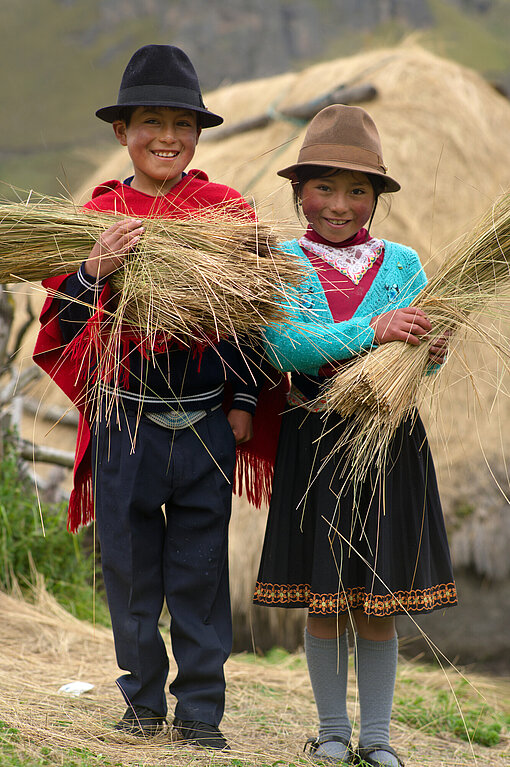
[241,424]
[108,253]
[407,324]
[438,350]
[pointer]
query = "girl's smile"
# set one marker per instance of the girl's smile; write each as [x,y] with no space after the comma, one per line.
[161,142]
[339,205]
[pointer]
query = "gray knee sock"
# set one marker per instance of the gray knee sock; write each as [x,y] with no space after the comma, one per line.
[327,665]
[376,668]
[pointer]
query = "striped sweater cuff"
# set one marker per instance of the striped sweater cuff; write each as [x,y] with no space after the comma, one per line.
[244,401]
[88,282]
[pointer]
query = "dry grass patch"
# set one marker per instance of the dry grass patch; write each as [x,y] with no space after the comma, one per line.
[269,714]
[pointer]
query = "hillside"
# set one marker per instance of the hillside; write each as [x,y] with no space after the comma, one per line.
[67,61]
[269,712]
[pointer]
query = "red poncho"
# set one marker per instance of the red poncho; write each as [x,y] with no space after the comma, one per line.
[68,367]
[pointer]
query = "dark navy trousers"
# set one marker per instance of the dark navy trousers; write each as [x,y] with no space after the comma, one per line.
[180,555]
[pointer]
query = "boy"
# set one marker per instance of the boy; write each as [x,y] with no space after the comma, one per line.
[168,440]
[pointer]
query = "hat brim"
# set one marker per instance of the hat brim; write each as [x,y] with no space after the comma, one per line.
[390,185]
[206,118]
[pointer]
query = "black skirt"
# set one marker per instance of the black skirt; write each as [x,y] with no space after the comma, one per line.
[383,551]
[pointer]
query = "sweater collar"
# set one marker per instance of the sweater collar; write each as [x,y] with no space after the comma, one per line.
[175,189]
[187,180]
[357,239]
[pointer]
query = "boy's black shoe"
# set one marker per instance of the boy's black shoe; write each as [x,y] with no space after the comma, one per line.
[199,733]
[141,721]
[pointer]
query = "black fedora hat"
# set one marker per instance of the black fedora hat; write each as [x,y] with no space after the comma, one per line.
[163,76]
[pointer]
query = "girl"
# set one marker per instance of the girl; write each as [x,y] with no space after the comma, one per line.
[383,552]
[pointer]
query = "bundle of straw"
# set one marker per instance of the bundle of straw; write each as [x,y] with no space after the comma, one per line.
[379,390]
[210,276]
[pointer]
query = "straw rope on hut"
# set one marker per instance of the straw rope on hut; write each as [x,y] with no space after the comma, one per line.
[443,132]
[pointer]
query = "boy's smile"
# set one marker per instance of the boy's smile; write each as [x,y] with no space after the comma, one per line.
[161,142]
[339,205]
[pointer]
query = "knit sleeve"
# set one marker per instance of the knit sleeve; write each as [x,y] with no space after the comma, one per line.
[414,279]
[309,339]
[79,297]
[305,344]
[246,374]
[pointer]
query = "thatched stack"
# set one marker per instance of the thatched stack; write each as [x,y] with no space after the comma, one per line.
[444,133]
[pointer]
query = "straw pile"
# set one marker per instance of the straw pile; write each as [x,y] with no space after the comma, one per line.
[211,276]
[378,390]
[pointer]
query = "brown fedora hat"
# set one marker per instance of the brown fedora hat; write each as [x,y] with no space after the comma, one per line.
[346,137]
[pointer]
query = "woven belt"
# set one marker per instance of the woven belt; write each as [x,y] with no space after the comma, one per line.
[296,398]
[179,419]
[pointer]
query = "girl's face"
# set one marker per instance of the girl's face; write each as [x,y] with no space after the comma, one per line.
[338,206]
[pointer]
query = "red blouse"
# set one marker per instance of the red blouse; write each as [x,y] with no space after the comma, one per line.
[342,295]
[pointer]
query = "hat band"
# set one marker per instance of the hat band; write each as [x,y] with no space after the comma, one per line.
[335,154]
[159,94]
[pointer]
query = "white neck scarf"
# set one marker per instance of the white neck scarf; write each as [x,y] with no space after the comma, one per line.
[353,260]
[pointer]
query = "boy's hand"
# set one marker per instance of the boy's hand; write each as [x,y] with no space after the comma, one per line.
[107,255]
[241,423]
[407,324]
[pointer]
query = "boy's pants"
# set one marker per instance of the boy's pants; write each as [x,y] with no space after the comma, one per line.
[184,559]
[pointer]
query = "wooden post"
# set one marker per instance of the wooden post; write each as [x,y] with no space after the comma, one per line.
[301,112]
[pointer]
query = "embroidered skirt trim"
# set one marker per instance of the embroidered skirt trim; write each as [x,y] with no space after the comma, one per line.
[399,602]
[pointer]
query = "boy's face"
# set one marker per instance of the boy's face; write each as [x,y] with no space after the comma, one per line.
[161,142]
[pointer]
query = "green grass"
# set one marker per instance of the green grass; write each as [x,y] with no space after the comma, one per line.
[55,555]
[480,42]
[276,656]
[440,713]
[432,712]
[62,66]
[476,41]
[11,757]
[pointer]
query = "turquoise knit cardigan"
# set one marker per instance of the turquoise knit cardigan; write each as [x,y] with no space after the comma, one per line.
[311,338]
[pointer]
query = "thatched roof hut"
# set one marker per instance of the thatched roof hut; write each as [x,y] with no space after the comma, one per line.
[444,133]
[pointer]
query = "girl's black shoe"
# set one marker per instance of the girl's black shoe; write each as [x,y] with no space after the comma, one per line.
[364,753]
[313,745]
